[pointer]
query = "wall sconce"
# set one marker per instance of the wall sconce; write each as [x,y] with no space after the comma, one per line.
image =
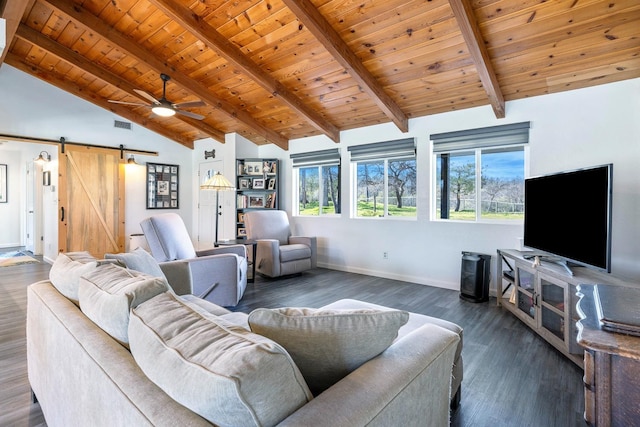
[43,157]
[131,161]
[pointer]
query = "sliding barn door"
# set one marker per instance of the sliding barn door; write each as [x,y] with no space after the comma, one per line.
[91,204]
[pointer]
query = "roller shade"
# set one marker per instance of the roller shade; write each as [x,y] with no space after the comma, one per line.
[494,136]
[404,148]
[316,158]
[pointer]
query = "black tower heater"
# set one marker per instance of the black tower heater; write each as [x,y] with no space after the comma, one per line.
[474,277]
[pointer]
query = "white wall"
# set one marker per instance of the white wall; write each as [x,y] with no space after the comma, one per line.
[569,130]
[30,107]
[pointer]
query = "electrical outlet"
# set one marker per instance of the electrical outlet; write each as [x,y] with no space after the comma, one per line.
[385,255]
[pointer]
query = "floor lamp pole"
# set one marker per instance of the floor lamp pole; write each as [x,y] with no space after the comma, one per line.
[217,214]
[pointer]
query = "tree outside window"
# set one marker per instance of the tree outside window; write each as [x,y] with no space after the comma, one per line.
[500,195]
[319,190]
[386,188]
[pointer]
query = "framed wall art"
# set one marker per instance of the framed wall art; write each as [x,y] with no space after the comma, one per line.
[3,184]
[162,186]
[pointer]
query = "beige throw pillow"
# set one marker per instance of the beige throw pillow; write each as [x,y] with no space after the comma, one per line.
[328,344]
[66,271]
[108,293]
[226,374]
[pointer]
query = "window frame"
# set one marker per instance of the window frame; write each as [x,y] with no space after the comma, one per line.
[318,160]
[505,138]
[397,150]
[477,153]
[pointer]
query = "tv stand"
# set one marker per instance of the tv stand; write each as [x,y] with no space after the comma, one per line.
[543,295]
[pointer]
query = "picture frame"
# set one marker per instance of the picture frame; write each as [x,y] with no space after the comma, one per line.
[244,183]
[256,201]
[3,183]
[241,217]
[253,168]
[242,232]
[272,184]
[258,184]
[162,186]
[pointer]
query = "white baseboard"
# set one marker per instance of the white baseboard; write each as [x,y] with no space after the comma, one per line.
[403,278]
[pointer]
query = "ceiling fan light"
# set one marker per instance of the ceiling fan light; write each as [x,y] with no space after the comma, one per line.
[163,111]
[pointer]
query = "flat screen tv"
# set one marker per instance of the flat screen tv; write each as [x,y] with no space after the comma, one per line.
[568,214]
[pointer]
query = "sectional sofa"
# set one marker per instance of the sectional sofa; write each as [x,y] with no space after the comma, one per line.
[107,345]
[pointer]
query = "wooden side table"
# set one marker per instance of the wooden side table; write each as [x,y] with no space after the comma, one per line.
[246,242]
[611,363]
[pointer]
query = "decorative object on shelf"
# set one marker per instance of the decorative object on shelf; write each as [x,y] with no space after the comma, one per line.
[253,168]
[218,183]
[162,186]
[257,188]
[244,184]
[43,157]
[208,154]
[3,183]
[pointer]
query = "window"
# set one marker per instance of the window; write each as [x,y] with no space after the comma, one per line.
[384,179]
[317,188]
[479,173]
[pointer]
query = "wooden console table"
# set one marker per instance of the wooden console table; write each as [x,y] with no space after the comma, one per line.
[611,362]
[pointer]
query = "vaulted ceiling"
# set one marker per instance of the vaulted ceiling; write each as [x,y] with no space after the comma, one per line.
[275,70]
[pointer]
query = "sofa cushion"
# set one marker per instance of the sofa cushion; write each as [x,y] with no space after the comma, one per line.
[139,260]
[226,374]
[66,271]
[328,344]
[108,293]
[294,252]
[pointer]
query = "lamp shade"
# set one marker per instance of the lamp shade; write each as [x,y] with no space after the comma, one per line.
[43,157]
[217,182]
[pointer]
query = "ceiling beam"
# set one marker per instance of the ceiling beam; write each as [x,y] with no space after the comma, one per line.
[311,18]
[93,24]
[49,45]
[13,12]
[52,78]
[229,51]
[470,30]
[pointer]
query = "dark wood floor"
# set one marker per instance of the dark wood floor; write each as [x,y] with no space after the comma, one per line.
[511,376]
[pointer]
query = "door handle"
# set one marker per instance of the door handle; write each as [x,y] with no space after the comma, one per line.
[62,214]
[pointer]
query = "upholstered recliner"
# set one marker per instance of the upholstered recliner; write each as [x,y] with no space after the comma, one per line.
[278,252]
[218,275]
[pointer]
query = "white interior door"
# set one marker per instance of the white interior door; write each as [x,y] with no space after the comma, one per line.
[30,209]
[207,206]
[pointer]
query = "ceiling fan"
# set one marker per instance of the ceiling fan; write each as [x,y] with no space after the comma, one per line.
[163,107]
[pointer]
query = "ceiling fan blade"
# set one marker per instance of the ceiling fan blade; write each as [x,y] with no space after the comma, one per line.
[192,115]
[128,103]
[190,104]
[146,95]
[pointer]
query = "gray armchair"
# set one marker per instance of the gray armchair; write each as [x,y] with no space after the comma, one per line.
[218,275]
[278,253]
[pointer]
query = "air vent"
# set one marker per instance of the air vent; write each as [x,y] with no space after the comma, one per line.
[121,125]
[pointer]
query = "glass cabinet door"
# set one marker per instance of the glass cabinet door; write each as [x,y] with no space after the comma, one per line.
[553,300]
[525,287]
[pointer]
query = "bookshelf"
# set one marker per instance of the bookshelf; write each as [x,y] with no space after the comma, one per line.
[256,188]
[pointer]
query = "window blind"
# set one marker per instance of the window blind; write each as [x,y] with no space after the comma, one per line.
[494,136]
[405,148]
[316,158]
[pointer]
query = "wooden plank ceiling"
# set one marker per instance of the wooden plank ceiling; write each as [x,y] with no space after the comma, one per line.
[274,70]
